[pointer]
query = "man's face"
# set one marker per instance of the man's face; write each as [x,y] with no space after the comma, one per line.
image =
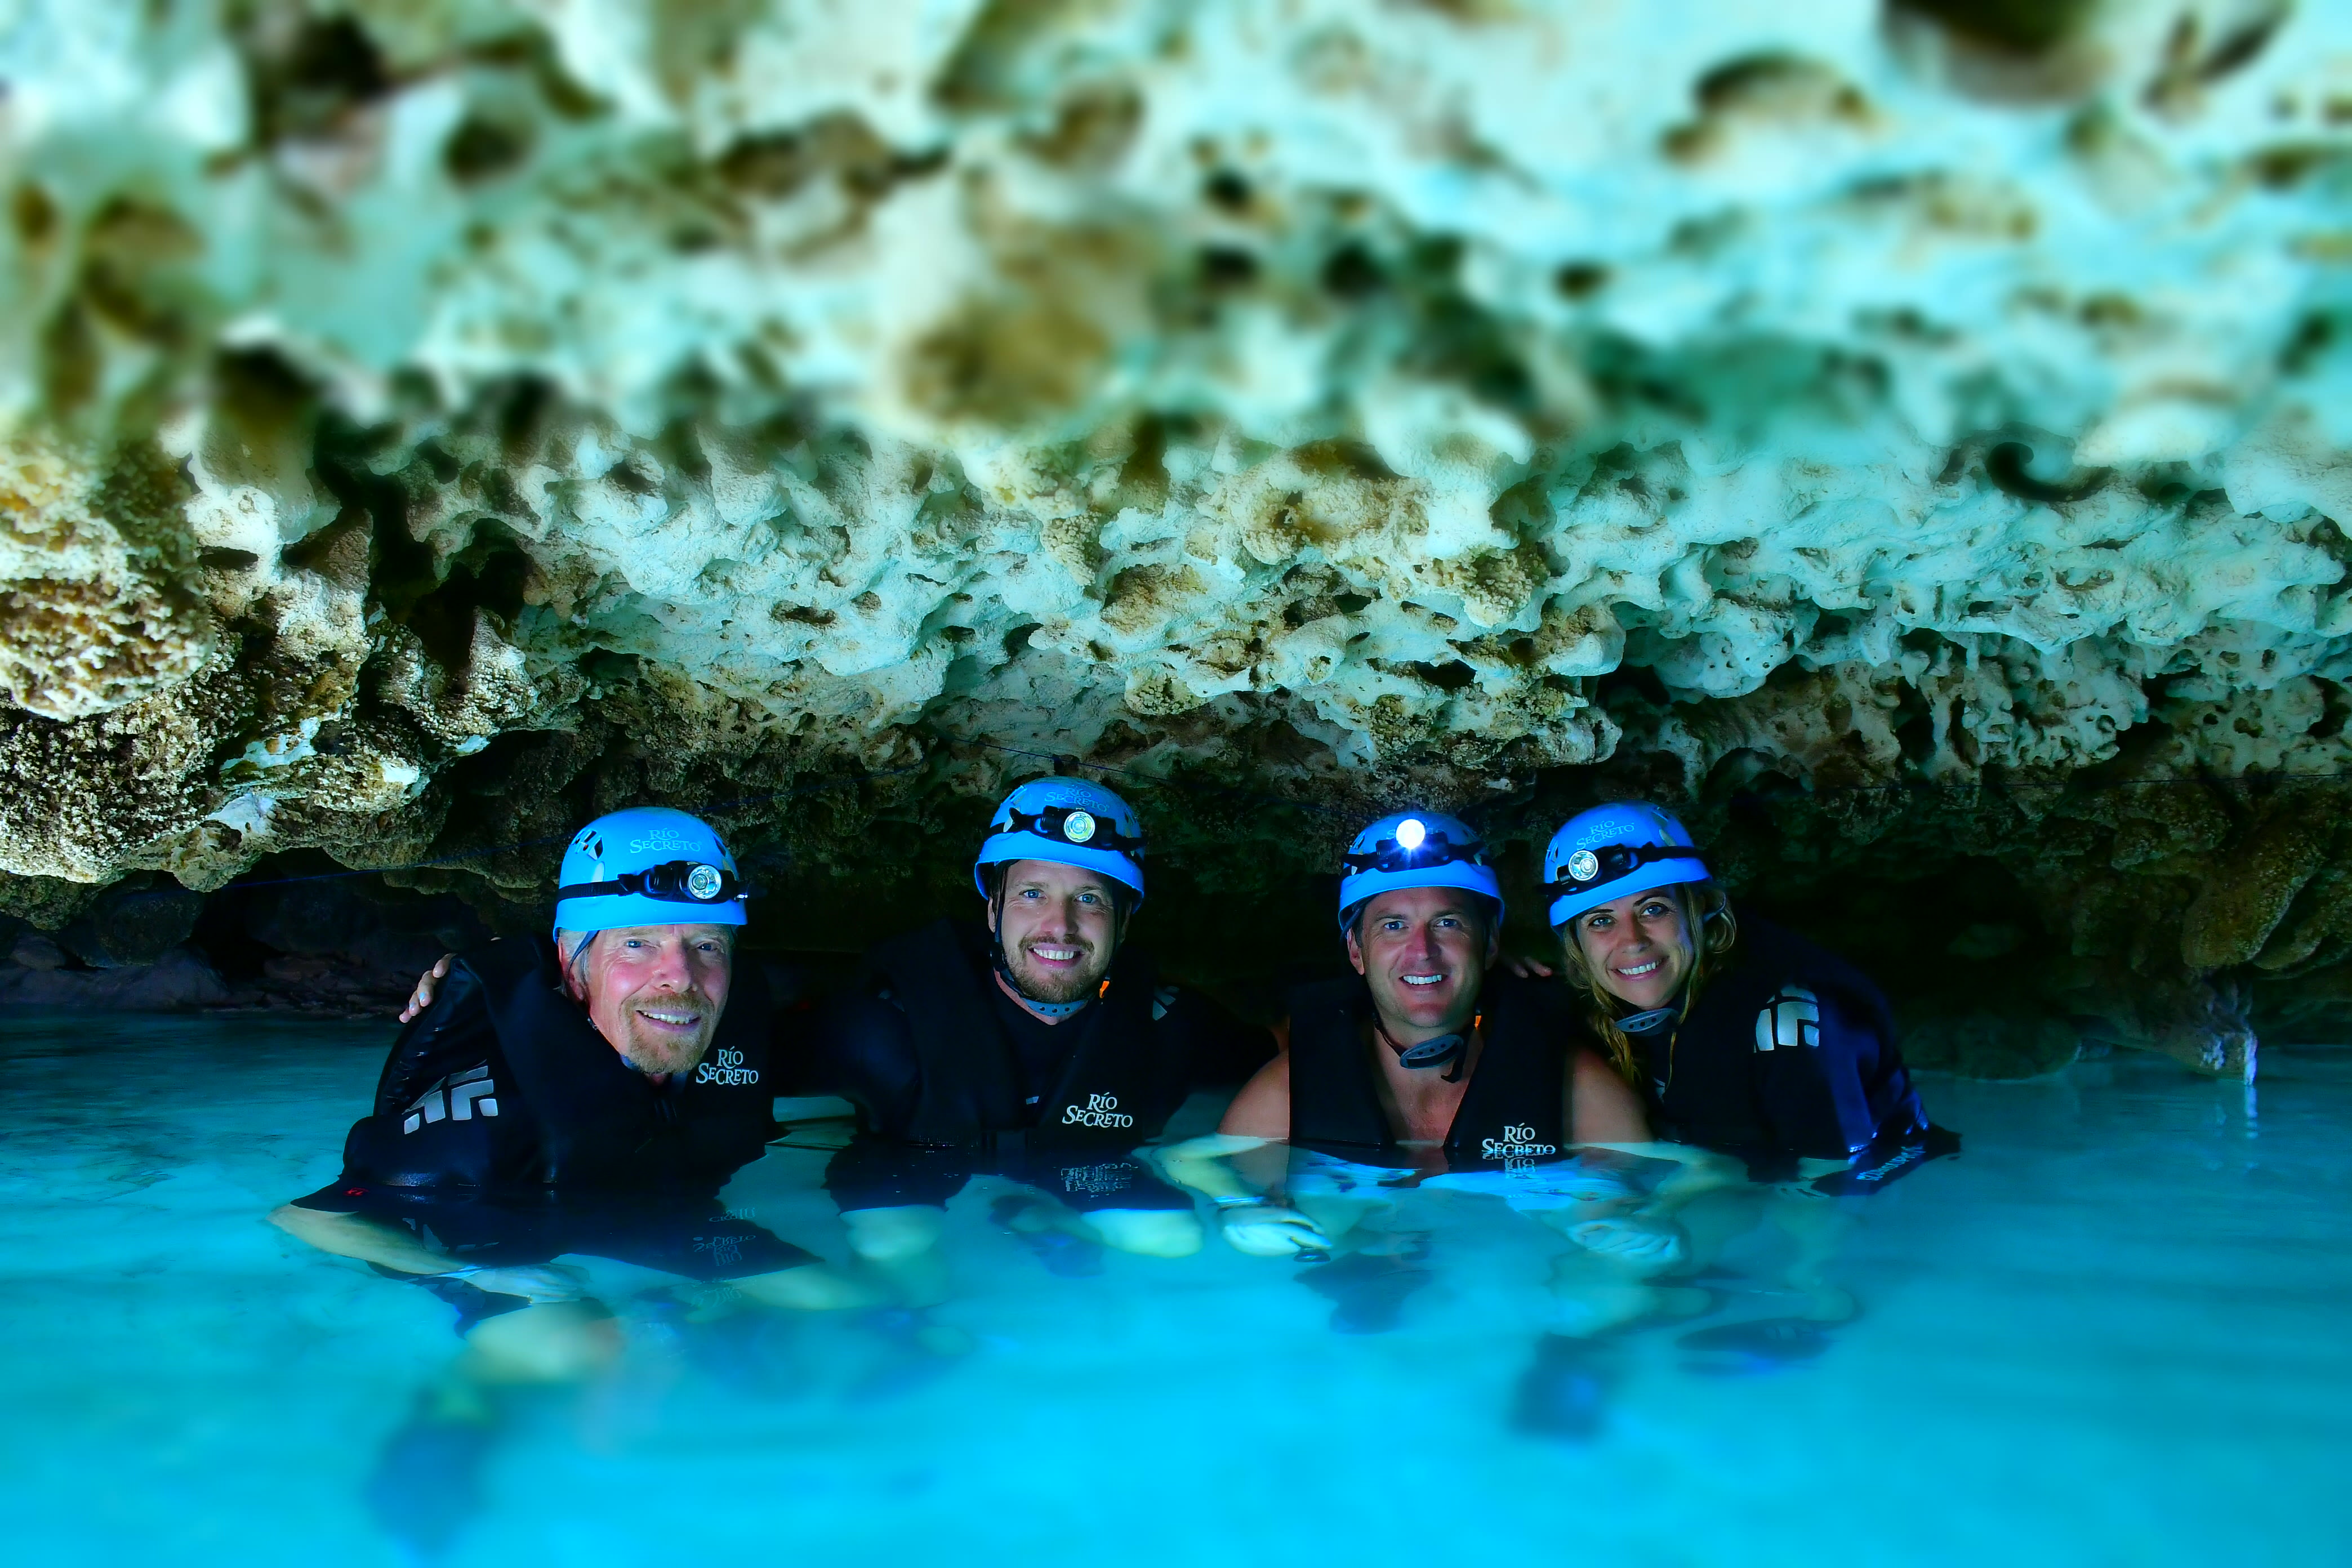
[1424,952]
[655,993]
[1060,927]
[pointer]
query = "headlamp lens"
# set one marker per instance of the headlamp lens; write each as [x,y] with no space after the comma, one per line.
[1415,849]
[1586,867]
[672,881]
[1071,825]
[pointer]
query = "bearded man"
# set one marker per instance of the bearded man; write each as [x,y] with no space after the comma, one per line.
[629,1051]
[583,1098]
[624,1064]
[1040,1047]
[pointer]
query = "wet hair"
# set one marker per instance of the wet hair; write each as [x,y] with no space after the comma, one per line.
[1704,909]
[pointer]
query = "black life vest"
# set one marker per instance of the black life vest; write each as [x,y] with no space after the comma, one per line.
[1839,1086]
[1515,1108]
[1121,1080]
[503,1082]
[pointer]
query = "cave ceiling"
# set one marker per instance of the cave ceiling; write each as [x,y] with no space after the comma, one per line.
[1895,432]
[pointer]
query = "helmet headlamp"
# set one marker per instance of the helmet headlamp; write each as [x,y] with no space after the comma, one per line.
[672,882]
[1609,861]
[1601,853]
[1414,848]
[1413,845]
[1072,825]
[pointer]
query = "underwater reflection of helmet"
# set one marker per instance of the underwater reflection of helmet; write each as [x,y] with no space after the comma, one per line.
[1414,849]
[647,866]
[1068,822]
[1625,846]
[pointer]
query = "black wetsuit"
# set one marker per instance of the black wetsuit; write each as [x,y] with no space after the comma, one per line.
[1514,1110]
[953,1078]
[502,1083]
[1790,1052]
[507,1131]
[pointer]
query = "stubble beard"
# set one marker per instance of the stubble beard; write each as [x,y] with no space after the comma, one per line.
[1068,985]
[653,1050]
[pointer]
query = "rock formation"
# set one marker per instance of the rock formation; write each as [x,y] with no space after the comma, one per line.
[1909,436]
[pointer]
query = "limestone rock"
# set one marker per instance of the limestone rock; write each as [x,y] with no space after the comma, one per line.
[1918,427]
[132,926]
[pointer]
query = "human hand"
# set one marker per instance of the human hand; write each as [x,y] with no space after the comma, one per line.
[1268,1231]
[1631,1238]
[426,983]
[1524,966]
[538,1282]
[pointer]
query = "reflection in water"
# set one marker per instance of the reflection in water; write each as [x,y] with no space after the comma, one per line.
[1072,1204]
[1651,1232]
[682,1275]
[2120,1287]
[614,1299]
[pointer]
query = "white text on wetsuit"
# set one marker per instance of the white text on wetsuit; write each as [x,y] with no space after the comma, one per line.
[1516,1143]
[728,1069]
[1099,1111]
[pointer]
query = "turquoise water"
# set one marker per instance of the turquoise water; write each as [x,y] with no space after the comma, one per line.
[2114,1332]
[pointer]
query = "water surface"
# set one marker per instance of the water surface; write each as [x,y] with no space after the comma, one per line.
[2112,1331]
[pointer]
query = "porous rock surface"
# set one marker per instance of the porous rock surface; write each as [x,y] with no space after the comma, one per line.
[1909,436]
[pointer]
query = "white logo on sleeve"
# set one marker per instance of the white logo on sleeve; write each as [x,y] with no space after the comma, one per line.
[1099,1111]
[460,1097]
[1792,1019]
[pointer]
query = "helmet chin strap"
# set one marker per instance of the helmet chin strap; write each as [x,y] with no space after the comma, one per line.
[1450,1052]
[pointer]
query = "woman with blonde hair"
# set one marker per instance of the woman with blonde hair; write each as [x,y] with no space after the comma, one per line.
[1738,1035]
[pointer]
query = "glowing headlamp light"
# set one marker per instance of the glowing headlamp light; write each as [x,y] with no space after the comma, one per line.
[1410,834]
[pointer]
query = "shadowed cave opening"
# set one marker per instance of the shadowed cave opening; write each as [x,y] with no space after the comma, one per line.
[1992,915]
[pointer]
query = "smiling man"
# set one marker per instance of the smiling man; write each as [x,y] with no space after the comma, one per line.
[1038,1046]
[626,1050]
[1425,1051]
[586,1096]
[582,1099]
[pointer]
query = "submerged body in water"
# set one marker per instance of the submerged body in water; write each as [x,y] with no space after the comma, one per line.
[2130,1279]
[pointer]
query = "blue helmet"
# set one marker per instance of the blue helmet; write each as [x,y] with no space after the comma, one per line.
[1415,849]
[1625,846]
[643,867]
[1070,822]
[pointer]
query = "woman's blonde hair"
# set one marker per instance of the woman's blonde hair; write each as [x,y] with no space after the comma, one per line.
[1705,912]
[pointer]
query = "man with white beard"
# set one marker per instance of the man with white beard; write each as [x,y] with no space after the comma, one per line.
[625,1066]
[581,1100]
